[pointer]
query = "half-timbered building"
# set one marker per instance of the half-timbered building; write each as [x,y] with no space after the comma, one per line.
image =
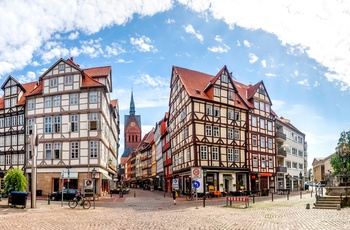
[77,127]
[12,125]
[208,126]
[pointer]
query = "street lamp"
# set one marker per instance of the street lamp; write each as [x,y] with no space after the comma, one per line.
[94,179]
[301,178]
[204,185]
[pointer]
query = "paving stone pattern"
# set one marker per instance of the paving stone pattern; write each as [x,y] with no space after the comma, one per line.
[142,209]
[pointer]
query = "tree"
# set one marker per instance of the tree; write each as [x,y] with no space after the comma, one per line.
[15,181]
[340,161]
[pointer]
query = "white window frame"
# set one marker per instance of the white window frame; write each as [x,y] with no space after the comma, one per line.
[254,121]
[230,156]
[237,155]
[230,114]
[230,133]
[74,150]
[48,151]
[48,102]
[74,99]
[216,111]
[208,130]
[216,131]
[209,110]
[93,97]
[216,92]
[53,82]
[56,101]
[93,149]
[262,142]
[204,152]
[215,153]
[68,80]
[31,104]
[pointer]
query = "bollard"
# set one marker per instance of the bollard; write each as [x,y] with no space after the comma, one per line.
[287,196]
[164,194]
[311,193]
[253,199]
[48,198]
[0,196]
[134,193]
[307,206]
[301,194]
[272,196]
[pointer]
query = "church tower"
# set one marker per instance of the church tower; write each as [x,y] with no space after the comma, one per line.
[132,130]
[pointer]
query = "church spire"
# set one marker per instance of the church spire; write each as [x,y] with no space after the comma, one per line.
[132,104]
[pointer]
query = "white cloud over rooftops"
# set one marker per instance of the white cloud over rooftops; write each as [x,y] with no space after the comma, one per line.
[143,44]
[190,30]
[318,28]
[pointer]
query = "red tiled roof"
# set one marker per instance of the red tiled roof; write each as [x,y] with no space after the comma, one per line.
[196,84]
[98,71]
[28,88]
[37,90]
[114,102]
[87,81]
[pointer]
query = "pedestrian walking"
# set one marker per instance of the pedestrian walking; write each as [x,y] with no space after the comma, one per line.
[174,196]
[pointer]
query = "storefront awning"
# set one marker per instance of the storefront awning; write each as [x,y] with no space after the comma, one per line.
[106,177]
[266,174]
[228,177]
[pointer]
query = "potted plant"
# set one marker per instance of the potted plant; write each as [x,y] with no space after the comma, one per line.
[15,181]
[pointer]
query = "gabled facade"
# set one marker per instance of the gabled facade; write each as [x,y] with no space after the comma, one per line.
[208,122]
[77,126]
[260,137]
[159,180]
[12,125]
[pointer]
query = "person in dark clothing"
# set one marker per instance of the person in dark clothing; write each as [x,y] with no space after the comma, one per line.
[174,196]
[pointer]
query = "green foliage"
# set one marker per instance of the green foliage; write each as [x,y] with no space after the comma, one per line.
[15,181]
[341,160]
[337,164]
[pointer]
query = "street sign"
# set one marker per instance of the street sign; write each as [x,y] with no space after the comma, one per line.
[196,172]
[196,184]
[176,184]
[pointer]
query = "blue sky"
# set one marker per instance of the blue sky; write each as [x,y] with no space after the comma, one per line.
[301,50]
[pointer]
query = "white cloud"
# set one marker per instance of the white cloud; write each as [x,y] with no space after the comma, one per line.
[23,32]
[189,29]
[253,58]
[316,84]
[247,43]
[270,75]
[263,63]
[218,38]
[170,21]
[219,49]
[304,82]
[120,60]
[143,44]
[30,77]
[316,28]
[296,73]
[147,80]
[113,50]
[73,36]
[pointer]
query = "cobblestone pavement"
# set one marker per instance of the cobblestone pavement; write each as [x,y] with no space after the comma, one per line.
[155,210]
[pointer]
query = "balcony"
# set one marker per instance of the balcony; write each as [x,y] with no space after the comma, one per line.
[281,169]
[281,152]
[280,136]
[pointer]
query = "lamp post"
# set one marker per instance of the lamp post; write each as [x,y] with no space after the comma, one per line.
[94,179]
[34,143]
[204,185]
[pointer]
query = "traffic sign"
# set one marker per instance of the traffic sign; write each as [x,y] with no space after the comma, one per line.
[196,184]
[196,172]
[175,184]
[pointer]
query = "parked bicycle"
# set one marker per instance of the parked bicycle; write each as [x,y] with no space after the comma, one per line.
[207,196]
[190,196]
[78,199]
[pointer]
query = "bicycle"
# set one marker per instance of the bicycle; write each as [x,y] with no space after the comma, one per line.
[190,196]
[79,200]
[208,196]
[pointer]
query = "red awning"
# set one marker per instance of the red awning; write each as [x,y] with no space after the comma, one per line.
[265,174]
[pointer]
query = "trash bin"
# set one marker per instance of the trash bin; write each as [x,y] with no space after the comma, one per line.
[19,199]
